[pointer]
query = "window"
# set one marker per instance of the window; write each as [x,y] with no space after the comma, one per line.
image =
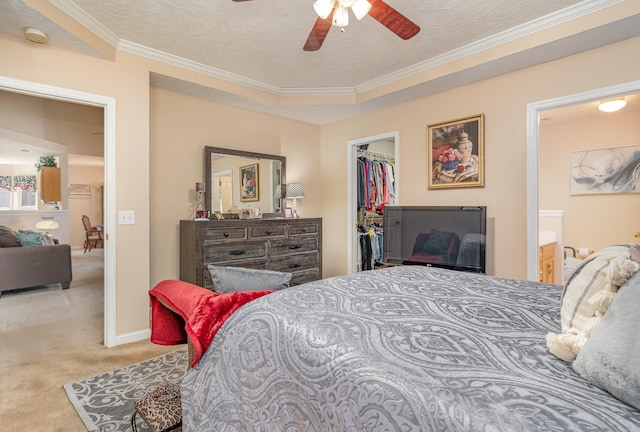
[18,192]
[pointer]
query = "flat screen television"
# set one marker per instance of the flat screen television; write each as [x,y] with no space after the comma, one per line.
[452,237]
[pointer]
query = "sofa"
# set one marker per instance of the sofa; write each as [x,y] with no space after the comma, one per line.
[24,264]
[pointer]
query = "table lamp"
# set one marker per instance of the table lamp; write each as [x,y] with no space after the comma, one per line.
[294,191]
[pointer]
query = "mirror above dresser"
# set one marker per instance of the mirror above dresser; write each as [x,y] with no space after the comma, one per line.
[236,179]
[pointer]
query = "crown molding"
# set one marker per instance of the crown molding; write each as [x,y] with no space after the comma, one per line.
[512,34]
[572,12]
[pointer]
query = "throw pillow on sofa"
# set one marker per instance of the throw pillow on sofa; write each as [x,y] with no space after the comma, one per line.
[31,238]
[8,237]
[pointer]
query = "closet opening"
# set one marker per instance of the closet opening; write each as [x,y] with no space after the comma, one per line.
[373,164]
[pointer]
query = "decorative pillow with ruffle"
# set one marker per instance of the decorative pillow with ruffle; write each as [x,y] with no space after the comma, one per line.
[587,296]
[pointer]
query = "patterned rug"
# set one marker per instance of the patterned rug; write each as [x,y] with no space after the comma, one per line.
[105,402]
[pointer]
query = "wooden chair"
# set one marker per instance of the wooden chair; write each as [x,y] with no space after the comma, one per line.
[93,236]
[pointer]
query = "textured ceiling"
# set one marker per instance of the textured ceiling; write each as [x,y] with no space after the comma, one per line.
[258,44]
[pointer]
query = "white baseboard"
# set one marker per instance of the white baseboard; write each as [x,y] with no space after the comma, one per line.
[132,337]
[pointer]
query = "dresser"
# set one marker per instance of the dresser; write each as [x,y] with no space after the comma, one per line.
[286,245]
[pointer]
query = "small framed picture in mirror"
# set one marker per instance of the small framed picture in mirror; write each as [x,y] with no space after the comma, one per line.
[288,212]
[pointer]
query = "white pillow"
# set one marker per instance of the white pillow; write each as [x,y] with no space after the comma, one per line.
[587,295]
[236,279]
[610,359]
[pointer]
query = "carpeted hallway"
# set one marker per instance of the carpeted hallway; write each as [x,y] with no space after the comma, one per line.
[49,337]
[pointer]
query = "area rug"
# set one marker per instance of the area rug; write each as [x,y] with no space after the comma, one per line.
[105,402]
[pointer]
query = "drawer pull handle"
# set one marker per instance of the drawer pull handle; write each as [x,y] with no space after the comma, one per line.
[268,232]
[226,234]
[294,265]
[304,230]
[240,252]
[295,246]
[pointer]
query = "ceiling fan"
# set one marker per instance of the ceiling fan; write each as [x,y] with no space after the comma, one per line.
[336,12]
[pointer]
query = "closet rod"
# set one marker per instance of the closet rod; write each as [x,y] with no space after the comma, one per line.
[376,156]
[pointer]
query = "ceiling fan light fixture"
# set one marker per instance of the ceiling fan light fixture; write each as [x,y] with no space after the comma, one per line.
[323,8]
[612,105]
[360,8]
[341,16]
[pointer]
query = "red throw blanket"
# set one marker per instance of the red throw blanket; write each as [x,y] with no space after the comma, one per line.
[195,311]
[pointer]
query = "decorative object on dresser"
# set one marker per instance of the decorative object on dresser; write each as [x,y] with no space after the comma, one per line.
[284,245]
[294,192]
[199,210]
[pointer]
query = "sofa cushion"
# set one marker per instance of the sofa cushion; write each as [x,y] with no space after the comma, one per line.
[31,238]
[8,237]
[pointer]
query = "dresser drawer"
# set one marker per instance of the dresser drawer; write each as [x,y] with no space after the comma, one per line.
[234,252]
[304,277]
[302,229]
[294,263]
[224,234]
[265,231]
[294,245]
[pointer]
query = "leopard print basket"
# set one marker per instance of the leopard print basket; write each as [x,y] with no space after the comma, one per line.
[161,409]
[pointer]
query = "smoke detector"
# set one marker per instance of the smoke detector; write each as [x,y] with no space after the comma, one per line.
[35,35]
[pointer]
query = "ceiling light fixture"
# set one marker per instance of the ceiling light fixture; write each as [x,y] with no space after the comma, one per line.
[612,105]
[323,8]
[35,35]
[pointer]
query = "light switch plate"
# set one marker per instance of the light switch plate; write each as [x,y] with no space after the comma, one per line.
[126,217]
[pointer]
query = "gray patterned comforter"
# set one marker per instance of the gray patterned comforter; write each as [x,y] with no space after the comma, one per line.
[407,348]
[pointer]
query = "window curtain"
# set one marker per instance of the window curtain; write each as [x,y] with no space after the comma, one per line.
[24,182]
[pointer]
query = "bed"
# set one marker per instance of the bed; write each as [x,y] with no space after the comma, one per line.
[405,348]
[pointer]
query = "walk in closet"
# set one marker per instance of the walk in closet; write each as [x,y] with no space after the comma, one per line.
[375,189]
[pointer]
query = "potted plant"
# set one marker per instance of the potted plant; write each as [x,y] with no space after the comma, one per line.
[47,166]
[46,161]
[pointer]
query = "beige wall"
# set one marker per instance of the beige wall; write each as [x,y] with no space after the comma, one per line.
[591,221]
[503,100]
[181,126]
[160,137]
[85,205]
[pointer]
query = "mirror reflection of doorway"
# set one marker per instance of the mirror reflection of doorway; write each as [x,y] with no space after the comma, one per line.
[222,193]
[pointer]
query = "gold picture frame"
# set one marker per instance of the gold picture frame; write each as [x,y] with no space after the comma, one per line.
[455,153]
[249,183]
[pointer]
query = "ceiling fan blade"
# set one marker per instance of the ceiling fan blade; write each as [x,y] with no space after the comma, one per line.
[318,33]
[393,20]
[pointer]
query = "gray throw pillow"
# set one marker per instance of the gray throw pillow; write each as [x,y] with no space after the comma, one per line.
[609,360]
[438,242]
[8,237]
[237,279]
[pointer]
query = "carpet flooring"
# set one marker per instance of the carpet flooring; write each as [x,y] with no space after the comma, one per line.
[105,402]
[49,337]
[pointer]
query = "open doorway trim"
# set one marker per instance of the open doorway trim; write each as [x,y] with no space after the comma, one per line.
[533,146]
[352,184]
[109,106]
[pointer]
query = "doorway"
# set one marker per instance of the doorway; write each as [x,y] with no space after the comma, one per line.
[385,144]
[222,193]
[108,105]
[533,115]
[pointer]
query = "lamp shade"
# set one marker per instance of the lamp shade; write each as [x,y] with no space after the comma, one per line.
[294,190]
[47,224]
[278,193]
